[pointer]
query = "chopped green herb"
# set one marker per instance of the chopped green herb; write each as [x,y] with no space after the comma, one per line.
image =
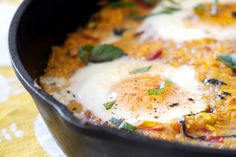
[109,105]
[100,53]
[165,84]
[150,2]
[121,124]
[127,126]
[156,91]
[200,7]
[133,12]
[167,10]
[115,121]
[214,7]
[141,70]
[120,4]
[159,91]
[173,2]
[229,60]
[214,1]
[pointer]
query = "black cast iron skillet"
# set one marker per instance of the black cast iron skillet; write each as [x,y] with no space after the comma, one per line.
[39,24]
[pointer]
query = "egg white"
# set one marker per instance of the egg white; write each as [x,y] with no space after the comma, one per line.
[173,27]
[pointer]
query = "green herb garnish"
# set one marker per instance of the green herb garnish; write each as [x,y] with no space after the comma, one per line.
[100,53]
[109,105]
[229,60]
[120,4]
[173,1]
[84,52]
[155,91]
[141,70]
[105,52]
[200,7]
[158,91]
[121,124]
[133,12]
[165,84]
[127,126]
[167,10]
[150,2]
[214,7]
[115,121]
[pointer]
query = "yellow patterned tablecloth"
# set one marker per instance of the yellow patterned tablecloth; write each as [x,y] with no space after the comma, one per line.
[22,130]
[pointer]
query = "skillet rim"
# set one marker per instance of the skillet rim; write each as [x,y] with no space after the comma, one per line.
[64,113]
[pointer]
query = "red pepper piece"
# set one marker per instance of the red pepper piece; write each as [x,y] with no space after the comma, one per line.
[144,4]
[149,125]
[89,37]
[218,139]
[138,34]
[155,55]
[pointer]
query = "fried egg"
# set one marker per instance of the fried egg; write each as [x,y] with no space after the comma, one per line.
[183,25]
[99,83]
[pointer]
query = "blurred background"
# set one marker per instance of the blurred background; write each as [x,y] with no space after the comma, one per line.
[22,130]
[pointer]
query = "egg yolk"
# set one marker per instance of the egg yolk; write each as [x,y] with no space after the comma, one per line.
[133,92]
[225,14]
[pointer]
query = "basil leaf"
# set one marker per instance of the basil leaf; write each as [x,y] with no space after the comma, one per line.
[122,4]
[159,91]
[121,124]
[84,52]
[229,60]
[167,10]
[141,70]
[155,91]
[150,2]
[109,105]
[100,53]
[165,84]
[103,53]
[127,126]
[173,2]
[115,121]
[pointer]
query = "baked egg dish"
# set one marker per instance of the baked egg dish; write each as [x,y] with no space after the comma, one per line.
[164,69]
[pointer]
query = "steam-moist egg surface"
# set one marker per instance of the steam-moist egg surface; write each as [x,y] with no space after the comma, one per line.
[165,69]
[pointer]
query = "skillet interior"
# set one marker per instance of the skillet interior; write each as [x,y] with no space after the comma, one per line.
[37,26]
